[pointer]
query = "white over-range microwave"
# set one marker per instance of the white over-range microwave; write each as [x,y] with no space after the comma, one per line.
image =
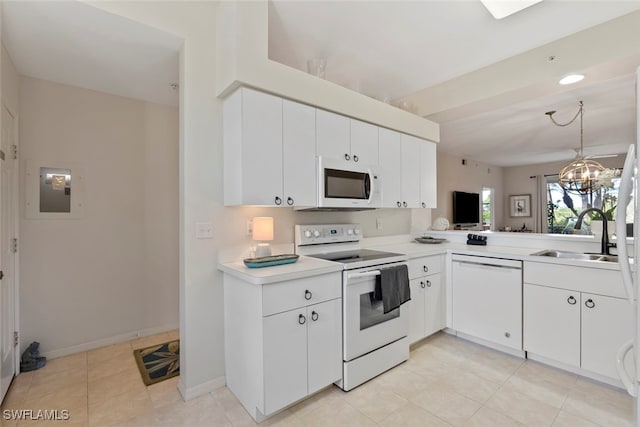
[349,185]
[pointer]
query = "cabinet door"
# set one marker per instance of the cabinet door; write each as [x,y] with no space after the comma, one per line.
[410,151]
[299,154]
[261,148]
[433,304]
[364,143]
[428,175]
[607,323]
[285,358]
[332,135]
[552,323]
[390,162]
[487,302]
[324,344]
[416,309]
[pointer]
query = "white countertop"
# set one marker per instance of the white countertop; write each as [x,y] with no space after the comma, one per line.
[304,267]
[416,250]
[307,266]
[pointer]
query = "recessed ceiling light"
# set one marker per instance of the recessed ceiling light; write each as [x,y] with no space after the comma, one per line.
[501,8]
[571,78]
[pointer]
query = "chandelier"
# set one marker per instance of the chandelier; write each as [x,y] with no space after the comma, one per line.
[580,175]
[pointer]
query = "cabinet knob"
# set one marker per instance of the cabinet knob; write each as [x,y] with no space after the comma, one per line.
[355,158]
[425,268]
[314,316]
[307,294]
[347,157]
[507,334]
[424,205]
[422,285]
[404,204]
[399,204]
[428,283]
[289,201]
[301,319]
[571,300]
[589,303]
[278,200]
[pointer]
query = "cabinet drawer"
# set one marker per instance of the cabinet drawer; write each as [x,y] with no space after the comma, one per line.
[292,294]
[423,266]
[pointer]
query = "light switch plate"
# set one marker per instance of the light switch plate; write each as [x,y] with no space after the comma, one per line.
[204,230]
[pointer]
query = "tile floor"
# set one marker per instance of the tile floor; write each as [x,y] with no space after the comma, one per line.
[447,381]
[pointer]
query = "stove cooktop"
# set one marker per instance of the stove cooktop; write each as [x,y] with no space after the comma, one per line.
[361,257]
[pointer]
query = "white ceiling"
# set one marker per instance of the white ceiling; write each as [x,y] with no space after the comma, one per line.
[396,48]
[384,49]
[73,43]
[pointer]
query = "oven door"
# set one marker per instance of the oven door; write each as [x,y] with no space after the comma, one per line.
[365,326]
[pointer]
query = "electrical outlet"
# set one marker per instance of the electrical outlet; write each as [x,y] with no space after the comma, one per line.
[378,223]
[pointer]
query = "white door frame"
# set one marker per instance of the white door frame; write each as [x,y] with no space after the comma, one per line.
[16,220]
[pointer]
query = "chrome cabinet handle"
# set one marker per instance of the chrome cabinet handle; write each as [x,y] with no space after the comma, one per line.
[571,300]
[355,158]
[589,303]
[399,204]
[307,294]
[424,205]
[422,285]
[425,268]
[278,200]
[301,319]
[404,204]
[314,316]
[347,157]
[428,283]
[289,201]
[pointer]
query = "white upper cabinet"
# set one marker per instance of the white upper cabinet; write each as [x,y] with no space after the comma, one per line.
[390,167]
[364,142]
[269,151]
[410,171]
[332,135]
[339,137]
[299,154]
[428,174]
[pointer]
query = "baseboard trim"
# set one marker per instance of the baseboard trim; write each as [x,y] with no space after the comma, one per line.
[117,339]
[200,389]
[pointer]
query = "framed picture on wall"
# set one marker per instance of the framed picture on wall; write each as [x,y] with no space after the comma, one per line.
[520,205]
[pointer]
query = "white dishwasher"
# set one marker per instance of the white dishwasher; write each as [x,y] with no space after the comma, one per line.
[487,299]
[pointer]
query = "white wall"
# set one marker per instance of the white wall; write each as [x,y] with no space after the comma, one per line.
[115,270]
[517,180]
[471,178]
[10,82]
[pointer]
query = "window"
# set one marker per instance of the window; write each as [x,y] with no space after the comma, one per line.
[563,207]
[487,208]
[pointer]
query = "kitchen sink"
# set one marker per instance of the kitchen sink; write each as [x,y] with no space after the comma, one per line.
[576,255]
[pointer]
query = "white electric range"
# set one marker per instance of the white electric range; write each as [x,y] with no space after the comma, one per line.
[372,341]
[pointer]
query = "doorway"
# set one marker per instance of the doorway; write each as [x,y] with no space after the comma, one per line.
[8,248]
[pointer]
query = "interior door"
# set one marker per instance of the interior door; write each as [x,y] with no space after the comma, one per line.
[7,256]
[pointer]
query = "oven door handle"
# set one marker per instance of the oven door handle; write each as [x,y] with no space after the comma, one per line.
[371,273]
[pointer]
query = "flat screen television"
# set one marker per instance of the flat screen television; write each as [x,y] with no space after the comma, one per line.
[466,208]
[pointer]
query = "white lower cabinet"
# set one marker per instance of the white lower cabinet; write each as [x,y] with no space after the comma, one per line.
[607,323]
[283,341]
[551,322]
[427,297]
[578,329]
[299,352]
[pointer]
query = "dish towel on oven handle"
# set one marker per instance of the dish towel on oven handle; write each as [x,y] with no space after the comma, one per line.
[392,287]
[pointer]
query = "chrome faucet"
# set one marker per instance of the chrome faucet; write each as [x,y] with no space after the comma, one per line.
[605,245]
